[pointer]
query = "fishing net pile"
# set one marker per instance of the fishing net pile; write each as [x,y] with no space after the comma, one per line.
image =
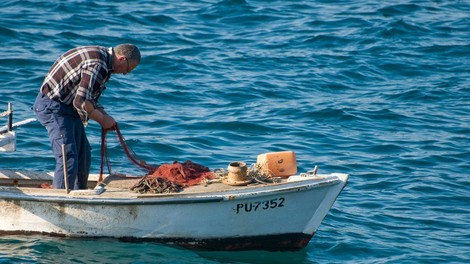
[173,177]
[166,178]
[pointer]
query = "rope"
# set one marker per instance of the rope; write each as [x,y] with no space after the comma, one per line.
[254,173]
[156,185]
[129,153]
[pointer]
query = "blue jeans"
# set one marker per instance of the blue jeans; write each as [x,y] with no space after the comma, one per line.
[65,127]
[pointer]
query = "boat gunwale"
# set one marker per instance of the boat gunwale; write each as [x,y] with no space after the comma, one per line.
[217,196]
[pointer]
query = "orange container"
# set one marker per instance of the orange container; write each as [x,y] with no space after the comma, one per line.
[278,164]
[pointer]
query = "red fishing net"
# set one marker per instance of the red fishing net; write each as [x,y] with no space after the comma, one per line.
[185,174]
[177,175]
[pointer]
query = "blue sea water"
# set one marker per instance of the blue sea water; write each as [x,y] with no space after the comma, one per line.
[376,89]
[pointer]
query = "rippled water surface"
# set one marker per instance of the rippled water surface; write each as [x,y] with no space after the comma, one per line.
[376,89]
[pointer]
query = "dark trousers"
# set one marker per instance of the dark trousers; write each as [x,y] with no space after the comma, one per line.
[65,127]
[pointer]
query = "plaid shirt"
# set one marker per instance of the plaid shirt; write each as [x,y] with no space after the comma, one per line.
[79,75]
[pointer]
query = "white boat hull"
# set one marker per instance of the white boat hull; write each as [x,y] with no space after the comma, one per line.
[270,217]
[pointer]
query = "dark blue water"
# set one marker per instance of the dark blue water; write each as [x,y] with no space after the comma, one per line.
[376,89]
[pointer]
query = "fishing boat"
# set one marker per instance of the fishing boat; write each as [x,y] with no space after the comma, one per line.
[213,215]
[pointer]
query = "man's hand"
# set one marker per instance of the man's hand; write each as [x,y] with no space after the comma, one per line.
[106,121]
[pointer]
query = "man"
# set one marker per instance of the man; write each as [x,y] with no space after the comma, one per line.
[68,98]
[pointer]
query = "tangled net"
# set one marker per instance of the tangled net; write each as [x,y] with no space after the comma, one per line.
[173,177]
[166,178]
[185,174]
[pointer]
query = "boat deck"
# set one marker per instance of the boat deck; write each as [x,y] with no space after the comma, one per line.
[114,186]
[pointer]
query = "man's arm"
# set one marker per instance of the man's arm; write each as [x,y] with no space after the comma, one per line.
[100,116]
